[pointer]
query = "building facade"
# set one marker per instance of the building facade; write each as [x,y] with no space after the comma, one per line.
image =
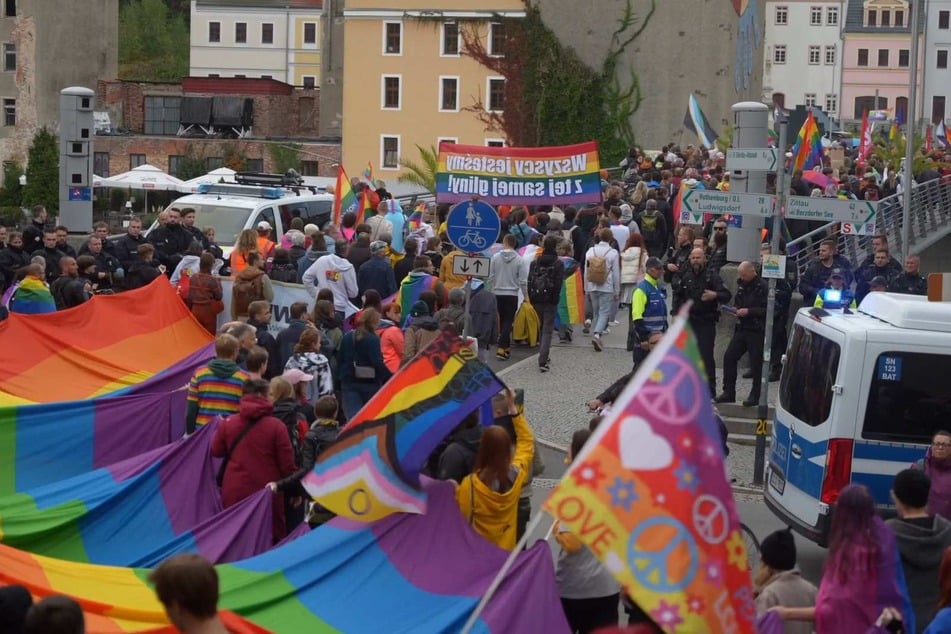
[803,49]
[877,58]
[937,72]
[270,39]
[408,82]
[48,46]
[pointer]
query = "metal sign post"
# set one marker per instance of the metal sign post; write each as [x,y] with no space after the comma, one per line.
[759,455]
[472,226]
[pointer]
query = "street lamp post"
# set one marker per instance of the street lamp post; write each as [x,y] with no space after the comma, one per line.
[908,177]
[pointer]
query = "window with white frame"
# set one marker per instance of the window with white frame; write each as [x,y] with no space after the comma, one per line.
[310,33]
[830,55]
[832,104]
[815,53]
[446,139]
[214,31]
[886,17]
[392,38]
[900,18]
[267,33]
[496,39]
[832,16]
[495,90]
[241,33]
[391,88]
[450,39]
[390,152]
[871,17]
[815,16]
[782,15]
[495,142]
[809,99]
[9,57]
[449,94]
[779,54]
[9,112]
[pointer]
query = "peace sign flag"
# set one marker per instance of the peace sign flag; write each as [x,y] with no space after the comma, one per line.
[648,495]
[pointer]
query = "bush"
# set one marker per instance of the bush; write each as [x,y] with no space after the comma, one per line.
[12,217]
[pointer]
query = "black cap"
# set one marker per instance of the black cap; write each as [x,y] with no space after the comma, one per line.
[837,272]
[878,280]
[778,550]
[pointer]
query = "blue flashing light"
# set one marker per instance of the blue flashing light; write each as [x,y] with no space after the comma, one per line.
[272,193]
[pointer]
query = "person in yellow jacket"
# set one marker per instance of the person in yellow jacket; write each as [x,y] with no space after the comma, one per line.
[526,325]
[448,278]
[488,497]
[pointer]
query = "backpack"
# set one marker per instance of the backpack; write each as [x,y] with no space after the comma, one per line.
[596,271]
[246,291]
[543,286]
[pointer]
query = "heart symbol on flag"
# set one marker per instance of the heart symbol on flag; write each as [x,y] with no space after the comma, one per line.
[641,448]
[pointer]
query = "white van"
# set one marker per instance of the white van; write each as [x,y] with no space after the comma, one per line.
[231,208]
[859,399]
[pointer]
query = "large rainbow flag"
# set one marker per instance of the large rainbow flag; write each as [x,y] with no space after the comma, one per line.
[344,198]
[410,289]
[372,470]
[807,152]
[571,301]
[139,511]
[407,573]
[31,297]
[649,496]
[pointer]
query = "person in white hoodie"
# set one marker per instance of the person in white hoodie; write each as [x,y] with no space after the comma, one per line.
[633,258]
[603,292]
[507,277]
[335,272]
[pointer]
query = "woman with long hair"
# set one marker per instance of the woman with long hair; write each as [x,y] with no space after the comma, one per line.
[941,624]
[862,575]
[391,336]
[205,293]
[308,359]
[360,363]
[633,258]
[246,243]
[488,497]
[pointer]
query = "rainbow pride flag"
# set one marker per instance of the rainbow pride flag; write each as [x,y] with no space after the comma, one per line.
[368,173]
[410,289]
[110,343]
[571,301]
[32,297]
[422,573]
[365,209]
[344,198]
[139,511]
[807,152]
[372,470]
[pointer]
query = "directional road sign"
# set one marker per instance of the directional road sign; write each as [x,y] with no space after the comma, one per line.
[705,201]
[473,226]
[763,159]
[830,209]
[474,265]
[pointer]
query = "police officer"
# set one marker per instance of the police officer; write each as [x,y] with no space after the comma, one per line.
[910,282]
[678,260]
[784,291]
[648,308]
[704,287]
[750,303]
[836,295]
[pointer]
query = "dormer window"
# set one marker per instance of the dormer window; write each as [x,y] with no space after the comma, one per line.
[871,17]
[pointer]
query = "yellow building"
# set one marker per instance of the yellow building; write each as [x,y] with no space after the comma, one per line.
[407,81]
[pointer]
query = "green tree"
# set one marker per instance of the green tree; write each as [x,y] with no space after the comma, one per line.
[153,42]
[42,172]
[11,195]
[284,156]
[423,173]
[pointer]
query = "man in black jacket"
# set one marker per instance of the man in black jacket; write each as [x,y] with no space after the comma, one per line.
[171,241]
[750,304]
[910,282]
[33,233]
[50,254]
[815,277]
[127,247]
[704,287]
[108,271]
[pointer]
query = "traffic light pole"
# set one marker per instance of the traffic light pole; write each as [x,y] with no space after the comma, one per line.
[759,457]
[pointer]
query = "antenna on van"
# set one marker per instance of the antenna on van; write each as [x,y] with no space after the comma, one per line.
[290,179]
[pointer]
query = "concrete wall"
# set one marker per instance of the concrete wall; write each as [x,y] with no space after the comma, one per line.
[937,257]
[331,70]
[688,46]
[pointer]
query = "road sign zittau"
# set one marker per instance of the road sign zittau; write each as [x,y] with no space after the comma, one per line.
[830,209]
[719,203]
[473,226]
[762,159]
[474,265]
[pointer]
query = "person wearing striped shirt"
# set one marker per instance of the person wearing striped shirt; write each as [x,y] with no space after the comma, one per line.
[215,389]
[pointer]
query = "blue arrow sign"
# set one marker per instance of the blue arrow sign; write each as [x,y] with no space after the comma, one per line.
[473,226]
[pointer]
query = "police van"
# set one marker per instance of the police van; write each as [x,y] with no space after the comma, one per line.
[275,198]
[860,397]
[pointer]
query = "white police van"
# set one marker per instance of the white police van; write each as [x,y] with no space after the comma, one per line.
[275,198]
[860,397]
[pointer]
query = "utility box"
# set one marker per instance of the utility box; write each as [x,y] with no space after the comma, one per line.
[76,131]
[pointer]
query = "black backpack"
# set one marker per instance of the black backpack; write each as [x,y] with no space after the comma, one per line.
[544,285]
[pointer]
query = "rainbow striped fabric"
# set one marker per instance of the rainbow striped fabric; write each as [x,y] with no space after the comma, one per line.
[215,395]
[344,198]
[32,297]
[410,289]
[372,470]
[571,302]
[807,152]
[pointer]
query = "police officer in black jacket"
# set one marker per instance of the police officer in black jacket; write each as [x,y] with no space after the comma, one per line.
[171,241]
[784,291]
[704,287]
[910,282]
[750,303]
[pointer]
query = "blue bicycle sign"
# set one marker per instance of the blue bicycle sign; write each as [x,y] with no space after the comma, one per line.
[472,226]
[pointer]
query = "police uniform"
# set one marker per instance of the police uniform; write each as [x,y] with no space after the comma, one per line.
[747,339]
[648,313]
[703,314]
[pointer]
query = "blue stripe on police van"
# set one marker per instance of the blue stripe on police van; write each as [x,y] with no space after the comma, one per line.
[879,484]
[871,450]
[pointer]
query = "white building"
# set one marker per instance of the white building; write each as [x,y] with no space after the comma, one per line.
[802,61]
[276,39]
[937,68]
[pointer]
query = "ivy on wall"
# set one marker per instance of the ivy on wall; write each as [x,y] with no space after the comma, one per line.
[551,96]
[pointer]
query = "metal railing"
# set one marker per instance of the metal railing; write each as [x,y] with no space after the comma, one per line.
[929,221]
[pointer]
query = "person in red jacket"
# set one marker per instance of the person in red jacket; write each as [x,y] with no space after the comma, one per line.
[260,455]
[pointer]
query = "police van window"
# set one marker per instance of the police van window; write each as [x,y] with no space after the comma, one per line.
[812,364]
[267,214]
[311,212]
[909,398]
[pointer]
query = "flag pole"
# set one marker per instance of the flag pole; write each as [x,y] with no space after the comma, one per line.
[908,177]
[500,576]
